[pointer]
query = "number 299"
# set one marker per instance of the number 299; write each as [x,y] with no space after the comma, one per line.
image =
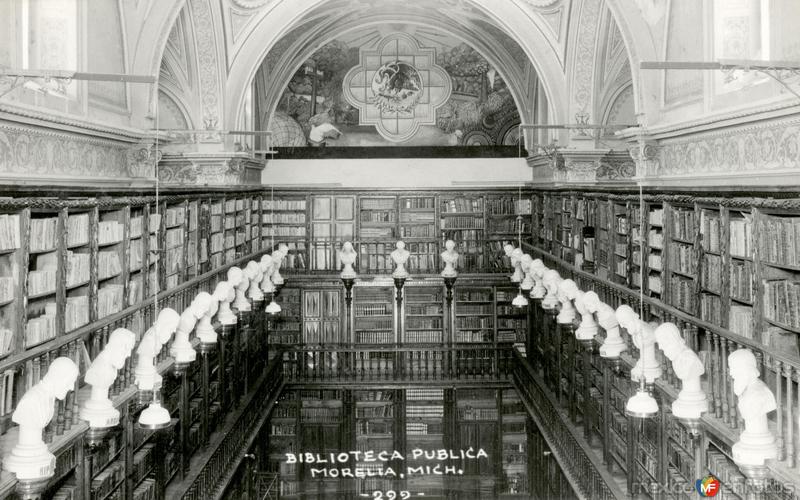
[391,495]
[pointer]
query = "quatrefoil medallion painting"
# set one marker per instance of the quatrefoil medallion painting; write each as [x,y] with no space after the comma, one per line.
[397,87]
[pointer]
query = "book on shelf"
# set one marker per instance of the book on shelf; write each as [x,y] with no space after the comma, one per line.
[154,222]
[681,293]
[741,280]
[109,300]
[174,237]
[457,222]
[271,204]
[681,258]
[41,328]
[77,312]
[385,204]
[683,224]
[108,264]
[711,308]
[782,302]
[710,231]
[78,268]
[77,230]
[778,240]
[109,232]
[423,337]
[9,232]
[740,320]
[741,236]
[175,216]
[43,234]
[656,216]
[42,279]
[711,276]
[372,337]
[462,204]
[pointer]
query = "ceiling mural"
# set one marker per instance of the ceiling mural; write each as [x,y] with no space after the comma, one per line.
[380,87]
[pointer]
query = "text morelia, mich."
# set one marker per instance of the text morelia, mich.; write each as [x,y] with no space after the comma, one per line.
[384,456]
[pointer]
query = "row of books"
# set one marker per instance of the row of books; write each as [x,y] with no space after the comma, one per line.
[175,216]
[741,280]
[109,232]
[377,233]
[419,231]
[43,234]
[108,264]
[779,240]
[683,222]
[42,281]
[374,323]
[377,203]
[41,328]
[423,428]
[782,302]
[681,293]
[378,215]
[711,275]
[711,308]
[108,480]
[710,228]
[461,222]
[423,337]
[469,323]
[323,415]
[77,312]
[77,230]
[110,300]
[368,337]
[382,411]
[272,204]
[284,218]
[740,320]
[174,237]
[656,217]
[507,206]
[509,226]
[418,323]
[741,237]
[9,232]
[462,204]
[655,239]
[681,258]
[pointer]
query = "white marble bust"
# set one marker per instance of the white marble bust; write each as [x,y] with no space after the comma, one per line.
[98,410]
[450,259]
[347,257]
[525,264]
[266,278]
[588,328]
[516,261]
[277,261]
[147,377]
[181,348]
[644,338]
[691,402]
[567,291]
[613,344]
[30,458]
[254,273]
[240,286]
[226,295]
[551,280]
[537,272]
[756,442]
[400,256]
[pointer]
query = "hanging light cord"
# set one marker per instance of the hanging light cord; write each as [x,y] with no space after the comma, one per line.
[158,210]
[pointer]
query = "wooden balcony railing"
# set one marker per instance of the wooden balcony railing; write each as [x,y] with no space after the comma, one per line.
[387,364]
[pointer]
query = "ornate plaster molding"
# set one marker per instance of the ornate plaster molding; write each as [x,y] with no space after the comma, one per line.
[38,153]
[208,64]
[197,169]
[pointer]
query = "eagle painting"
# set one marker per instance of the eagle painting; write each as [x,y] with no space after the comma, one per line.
[396,87]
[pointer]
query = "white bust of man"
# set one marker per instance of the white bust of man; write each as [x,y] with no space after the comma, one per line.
[227,294]
[567,291]
[516,260]
[147,377]
[98,410]
[205,327]
[551,280]
[266,278]
[277,261]
[588,327]
[525,264]
[756,442]
[691,402]
[450,259]
[347,257]
[400,256]
[537,272]
[30,457]
[240,303]
[644,338]
[254,273]
[181,348]
[613,345]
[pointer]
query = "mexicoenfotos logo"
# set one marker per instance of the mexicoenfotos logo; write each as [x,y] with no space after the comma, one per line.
[708,486]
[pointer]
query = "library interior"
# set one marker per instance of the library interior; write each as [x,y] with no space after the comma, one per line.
[399,249]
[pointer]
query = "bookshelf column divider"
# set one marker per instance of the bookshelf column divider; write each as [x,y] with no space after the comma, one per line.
[61,271]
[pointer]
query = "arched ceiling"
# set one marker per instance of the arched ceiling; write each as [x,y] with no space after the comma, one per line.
[336,20]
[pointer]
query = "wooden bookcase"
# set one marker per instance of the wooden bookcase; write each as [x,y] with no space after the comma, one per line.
[462,219]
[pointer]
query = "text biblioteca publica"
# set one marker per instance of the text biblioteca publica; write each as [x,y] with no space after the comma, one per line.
[389,464]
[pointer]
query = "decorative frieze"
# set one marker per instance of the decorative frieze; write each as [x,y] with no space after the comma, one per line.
[204,169]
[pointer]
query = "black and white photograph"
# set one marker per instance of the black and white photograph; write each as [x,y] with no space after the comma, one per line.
[399,249]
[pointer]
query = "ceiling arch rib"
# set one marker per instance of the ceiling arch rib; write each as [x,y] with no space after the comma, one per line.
[266,32]
[281,66]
